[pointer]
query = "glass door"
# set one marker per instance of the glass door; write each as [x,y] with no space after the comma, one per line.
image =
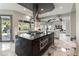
[6,26]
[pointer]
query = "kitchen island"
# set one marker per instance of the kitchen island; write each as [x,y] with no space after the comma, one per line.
[33,44]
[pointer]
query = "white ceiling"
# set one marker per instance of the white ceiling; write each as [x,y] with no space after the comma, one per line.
[60,8]
[15,7]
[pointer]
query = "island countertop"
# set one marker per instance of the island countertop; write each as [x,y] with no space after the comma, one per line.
[32,37]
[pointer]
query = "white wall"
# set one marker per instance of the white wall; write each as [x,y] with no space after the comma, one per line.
[77,28]
[68,25]
[73,21]
[15,17]
[73,24]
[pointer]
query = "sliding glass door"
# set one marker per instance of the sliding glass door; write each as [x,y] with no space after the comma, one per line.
[6,28]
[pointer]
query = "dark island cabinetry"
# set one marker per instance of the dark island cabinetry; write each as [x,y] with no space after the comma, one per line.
[35,46]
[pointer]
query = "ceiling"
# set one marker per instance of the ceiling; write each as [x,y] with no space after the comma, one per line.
[45,7]
[32,6]
[60,8]
[16,7]
[27,5]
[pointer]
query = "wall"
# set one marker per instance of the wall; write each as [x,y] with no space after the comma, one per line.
[15,17]
[73,24]
[77,28]
[73,21]
[68,25]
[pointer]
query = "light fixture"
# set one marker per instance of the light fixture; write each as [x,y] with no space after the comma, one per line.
[61,7]
[28,17]
[49,26]
[63,49]
[42,9]
[24,9]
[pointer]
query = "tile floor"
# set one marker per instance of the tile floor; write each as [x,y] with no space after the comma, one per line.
[7,49]
[63,47]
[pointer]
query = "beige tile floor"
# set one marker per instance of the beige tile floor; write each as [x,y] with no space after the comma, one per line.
[63,47]
[8,49]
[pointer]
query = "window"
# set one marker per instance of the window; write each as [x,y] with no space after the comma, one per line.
[24,26]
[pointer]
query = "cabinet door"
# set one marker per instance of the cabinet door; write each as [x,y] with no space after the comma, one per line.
[36,47]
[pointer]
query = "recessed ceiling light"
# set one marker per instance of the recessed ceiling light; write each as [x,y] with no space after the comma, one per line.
[61,7]
[28,17]
[42,9]
[24,9]
[63,49]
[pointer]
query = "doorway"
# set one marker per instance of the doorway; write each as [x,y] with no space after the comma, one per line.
[6,28]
